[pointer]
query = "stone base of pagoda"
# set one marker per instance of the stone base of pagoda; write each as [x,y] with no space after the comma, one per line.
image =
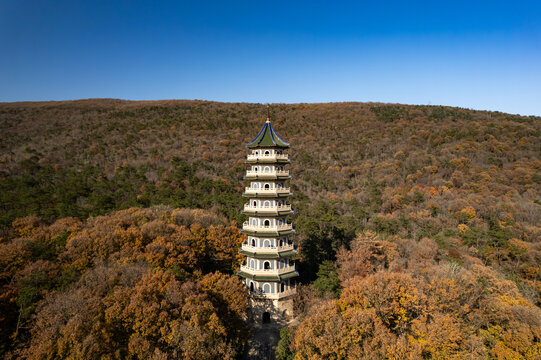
[274,311]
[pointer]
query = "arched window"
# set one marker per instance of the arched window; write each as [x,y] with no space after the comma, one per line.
[267,169]
[254,222]
[266,288]
[281,242]
[267,203]
[267,152]
[266,223]
[267,186]
[266,243]
[254,203]
[255,185]
[253,242]
[252,264]
[266,265]
[282,287]
[251,287]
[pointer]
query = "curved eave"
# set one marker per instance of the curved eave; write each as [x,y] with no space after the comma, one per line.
[267,177]
[288,275]
[258,195]
[268,138]
[267,233]
[278,255]
[268,147]
[268,213]
[267,161]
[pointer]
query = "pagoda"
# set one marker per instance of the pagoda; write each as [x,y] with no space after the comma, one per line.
[268,269]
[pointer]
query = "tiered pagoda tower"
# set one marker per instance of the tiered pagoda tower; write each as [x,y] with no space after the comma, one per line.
[268,269]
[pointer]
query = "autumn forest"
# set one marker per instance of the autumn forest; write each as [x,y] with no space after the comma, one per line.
[418,230]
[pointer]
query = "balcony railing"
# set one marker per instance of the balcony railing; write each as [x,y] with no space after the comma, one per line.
[246,226]
[268,157]
[277,190]
[269,272]
[279,295]
[269,173]
[266,249]
[248,207]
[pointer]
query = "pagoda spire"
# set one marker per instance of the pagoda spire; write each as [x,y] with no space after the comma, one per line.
[268,113]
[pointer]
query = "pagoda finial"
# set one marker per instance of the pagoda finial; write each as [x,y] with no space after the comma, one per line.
[268,113]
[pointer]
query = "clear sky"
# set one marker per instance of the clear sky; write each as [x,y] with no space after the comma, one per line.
[476,54]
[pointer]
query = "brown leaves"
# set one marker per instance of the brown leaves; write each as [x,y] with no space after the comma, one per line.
[166,238]
[395,298]
[228,291]
[25,227]
[142,293]
[354,263]
[126,311]
[432,309]
[466,215]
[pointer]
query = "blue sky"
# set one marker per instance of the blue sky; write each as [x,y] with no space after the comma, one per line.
[476,54]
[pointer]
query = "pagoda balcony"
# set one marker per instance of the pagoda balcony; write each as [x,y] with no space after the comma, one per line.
[277,190]
[267,249]
[280,295]
[264,229]
[270,158]
[269,272]
[274,296]
[266,209]
[274,174]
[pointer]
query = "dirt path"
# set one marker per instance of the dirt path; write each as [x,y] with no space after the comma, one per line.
[262,344]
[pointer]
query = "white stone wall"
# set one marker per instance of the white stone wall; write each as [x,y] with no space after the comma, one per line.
[267,286]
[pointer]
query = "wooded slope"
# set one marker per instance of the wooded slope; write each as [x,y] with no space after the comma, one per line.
[466,184]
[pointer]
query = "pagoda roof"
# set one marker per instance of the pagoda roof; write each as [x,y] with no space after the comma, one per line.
[267,137]
[288,275]
[267,233]
[276,255]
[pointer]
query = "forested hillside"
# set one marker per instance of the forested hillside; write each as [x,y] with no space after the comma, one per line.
[418,228]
